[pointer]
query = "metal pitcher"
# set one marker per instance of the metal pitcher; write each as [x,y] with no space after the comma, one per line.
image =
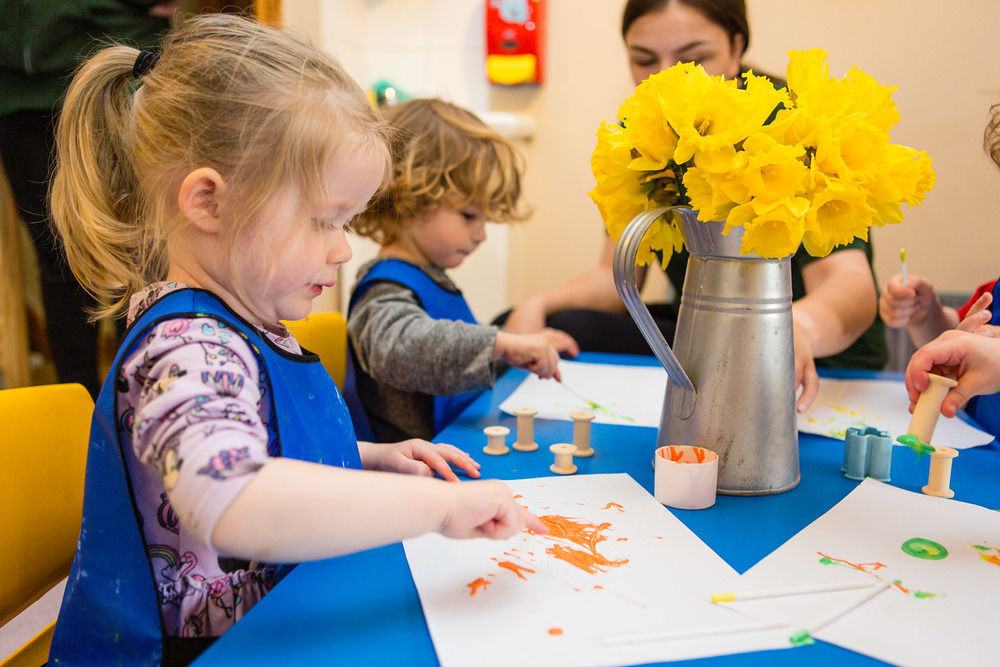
[731,385]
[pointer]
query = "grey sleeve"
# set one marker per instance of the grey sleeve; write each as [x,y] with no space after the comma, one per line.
[398,343]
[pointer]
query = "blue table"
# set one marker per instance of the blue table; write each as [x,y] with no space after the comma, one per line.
[363,608]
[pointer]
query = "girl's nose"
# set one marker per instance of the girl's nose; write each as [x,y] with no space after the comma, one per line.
[340,252]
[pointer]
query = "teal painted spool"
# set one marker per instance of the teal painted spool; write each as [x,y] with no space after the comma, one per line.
[867,453]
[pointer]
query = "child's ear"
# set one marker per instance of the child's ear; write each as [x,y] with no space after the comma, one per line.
[199,198]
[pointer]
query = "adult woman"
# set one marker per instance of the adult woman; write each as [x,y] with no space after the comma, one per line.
[834,310]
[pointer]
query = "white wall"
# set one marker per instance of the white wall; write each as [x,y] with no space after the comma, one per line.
[942,55]
[426,48]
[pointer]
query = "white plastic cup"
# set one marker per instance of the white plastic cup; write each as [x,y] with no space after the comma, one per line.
[685,476]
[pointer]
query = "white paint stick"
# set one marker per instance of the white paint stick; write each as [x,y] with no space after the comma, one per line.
[805,589]
[687,633]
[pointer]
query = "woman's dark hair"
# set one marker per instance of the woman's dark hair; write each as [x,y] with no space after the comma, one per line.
[730,15]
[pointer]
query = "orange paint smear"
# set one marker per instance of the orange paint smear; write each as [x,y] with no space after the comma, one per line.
[583,534]
[591,563]
[477,585]
[598,587]
[622,539]
[515,568]
[679,454]
[555,632]
[899,586]
[864,567]
[989,558]
[613,506]
[518,496]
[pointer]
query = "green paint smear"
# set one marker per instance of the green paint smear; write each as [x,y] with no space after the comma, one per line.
[919,547]
[915,444]
[801,638]
[597,407]
[924,595]
[980,547]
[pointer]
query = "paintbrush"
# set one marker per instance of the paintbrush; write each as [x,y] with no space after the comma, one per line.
[580,396]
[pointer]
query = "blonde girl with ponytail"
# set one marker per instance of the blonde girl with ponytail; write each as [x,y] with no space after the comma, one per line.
[205,193]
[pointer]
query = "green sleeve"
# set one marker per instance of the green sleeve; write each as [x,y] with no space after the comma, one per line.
[870,350]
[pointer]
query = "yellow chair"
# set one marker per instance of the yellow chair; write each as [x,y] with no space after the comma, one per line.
[326,335]
[43,452]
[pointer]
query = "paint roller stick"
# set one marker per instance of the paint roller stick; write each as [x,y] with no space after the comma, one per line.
[789,590]
[803,637]
[690,633]
[902,262]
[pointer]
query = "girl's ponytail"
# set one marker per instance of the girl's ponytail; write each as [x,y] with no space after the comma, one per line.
[94,188]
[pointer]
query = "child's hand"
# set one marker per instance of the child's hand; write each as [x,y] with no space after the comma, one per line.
[805,367]
[902,305]
[976,320]
[531,352]
[487,509]
[972,360]
[565,344]
[418,457]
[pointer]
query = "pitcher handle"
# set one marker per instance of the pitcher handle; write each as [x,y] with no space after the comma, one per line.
[624,271]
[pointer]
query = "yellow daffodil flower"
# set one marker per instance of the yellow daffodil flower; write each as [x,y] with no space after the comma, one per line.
[820,174]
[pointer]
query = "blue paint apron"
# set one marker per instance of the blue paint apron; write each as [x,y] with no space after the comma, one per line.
[986,409]
[110,613]
[439,303]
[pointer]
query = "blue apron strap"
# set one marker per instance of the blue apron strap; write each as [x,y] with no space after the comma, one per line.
[439,304]
[110,612]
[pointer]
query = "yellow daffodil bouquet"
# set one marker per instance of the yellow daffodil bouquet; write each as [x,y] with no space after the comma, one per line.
[820,173]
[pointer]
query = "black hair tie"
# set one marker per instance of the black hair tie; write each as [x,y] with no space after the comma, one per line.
[144,62]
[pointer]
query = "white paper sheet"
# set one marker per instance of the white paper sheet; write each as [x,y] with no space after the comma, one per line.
[941,612]
[882,404]
[626,395]
[522,601]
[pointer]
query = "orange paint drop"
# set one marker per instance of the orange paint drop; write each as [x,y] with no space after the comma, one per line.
[622,539]
[555,632]
[598,587]
[518,496]
[477,585]
[613,506]
[515,568]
